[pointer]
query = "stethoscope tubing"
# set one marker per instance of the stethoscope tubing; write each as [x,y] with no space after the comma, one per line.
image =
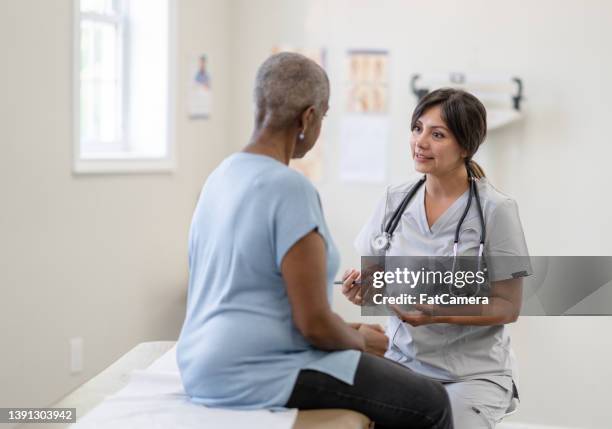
[394,220]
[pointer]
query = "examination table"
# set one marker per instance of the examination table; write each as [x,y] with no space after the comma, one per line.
[142,389]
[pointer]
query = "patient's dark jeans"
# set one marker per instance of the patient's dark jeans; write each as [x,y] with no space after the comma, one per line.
[389,394]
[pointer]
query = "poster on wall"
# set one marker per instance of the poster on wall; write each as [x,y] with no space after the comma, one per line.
[367,81]
[311,165]
[200,89]
[365,127]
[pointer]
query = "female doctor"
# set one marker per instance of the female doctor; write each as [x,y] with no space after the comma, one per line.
[470,355]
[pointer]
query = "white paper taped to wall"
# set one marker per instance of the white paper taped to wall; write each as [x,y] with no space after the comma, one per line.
[363,148]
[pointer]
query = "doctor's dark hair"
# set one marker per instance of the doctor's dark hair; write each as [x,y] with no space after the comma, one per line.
[287,84]
[465,116]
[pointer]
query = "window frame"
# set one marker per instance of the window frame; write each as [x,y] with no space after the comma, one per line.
[123,161]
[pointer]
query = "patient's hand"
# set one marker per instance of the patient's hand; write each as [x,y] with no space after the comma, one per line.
[376,341]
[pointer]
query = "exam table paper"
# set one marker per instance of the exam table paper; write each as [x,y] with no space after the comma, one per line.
[155,398]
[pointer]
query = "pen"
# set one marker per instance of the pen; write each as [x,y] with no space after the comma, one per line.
[339,282]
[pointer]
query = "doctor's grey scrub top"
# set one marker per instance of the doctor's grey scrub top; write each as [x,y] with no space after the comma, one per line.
[450,352]
[239,347]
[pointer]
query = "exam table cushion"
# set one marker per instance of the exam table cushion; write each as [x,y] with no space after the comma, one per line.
[152,365]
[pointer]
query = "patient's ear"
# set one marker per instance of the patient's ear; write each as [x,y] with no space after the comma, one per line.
[308,117]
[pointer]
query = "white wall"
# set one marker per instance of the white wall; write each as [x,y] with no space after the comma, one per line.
[556,163]
[100,257]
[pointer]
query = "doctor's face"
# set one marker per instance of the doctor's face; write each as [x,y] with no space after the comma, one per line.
[434,148]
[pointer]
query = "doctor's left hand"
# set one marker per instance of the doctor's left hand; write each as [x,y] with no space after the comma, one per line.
[415,318]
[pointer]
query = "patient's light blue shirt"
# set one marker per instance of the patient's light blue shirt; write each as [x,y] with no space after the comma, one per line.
[239,347]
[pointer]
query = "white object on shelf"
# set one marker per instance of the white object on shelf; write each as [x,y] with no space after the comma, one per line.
[501,94]
[497,118]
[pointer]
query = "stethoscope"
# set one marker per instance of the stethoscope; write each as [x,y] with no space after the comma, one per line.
[382,241]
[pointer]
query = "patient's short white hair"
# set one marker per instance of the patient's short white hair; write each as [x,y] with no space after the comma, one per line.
[286,84]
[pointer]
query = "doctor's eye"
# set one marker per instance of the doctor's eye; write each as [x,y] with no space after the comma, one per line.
[438,135]
[416,129]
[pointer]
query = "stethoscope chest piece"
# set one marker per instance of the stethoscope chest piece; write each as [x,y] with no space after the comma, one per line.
[381,242]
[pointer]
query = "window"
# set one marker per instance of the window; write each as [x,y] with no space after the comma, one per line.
[122,85]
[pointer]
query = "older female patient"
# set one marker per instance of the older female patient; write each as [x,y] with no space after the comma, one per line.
[259,331]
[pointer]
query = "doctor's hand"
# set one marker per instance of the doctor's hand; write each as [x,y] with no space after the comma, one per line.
[350,287]
[376,342]
[415,318]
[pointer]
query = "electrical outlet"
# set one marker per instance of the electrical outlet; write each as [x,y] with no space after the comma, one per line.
[76,355]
